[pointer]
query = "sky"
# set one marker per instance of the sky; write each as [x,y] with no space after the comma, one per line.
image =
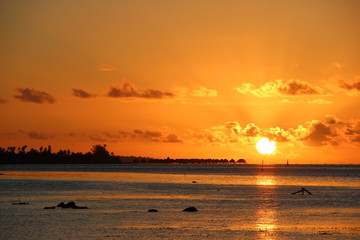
[183,79]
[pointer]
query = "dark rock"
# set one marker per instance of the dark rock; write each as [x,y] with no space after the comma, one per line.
[50,207]
[194,181]
[70,205]
[152,210]
[63,205]
[190,209]
[20,203]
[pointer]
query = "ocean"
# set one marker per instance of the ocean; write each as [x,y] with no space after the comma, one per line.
[233,202]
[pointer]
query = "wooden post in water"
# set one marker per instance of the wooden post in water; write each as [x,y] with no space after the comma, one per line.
[262,165]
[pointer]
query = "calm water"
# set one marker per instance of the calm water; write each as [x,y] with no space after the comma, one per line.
[234,202]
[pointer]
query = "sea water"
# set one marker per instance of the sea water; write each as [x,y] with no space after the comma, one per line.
[233,202]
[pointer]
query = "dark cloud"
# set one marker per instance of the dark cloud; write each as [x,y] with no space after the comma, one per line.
[3,101]
[151,135]
[128,90]
[331,119]
[98,138]
[320,134]
[153,93]
[82,94]
[297,87]
[32,95]
[137,134]
[172,138]
[39,136]
[353,130]
[354,85]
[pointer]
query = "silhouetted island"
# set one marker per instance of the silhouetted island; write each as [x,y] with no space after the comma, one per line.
[97,155]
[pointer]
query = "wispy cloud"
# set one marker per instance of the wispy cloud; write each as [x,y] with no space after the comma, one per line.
[39,136]
[353,130]
[203,92]
[35,96]
[277,88]
[319,101]
[338,83]
[82,94]
[136,135]
[106,68]
[336,65]
[128,90]
[350,87]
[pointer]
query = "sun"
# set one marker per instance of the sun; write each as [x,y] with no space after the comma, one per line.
[265,146]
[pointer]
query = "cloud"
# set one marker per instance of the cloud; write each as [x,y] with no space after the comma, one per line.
[151,135]
[314,133]
[251,130]
[353,130]
[277,88]
[278,134]
[136,135]
[350,87]
[32,95]
[128,90]
[319,101]
[336,65]
[82,94]
[355,85]
[319,134]
[106,68]
[98,138]
[203,92]
[39,136]
[172,138]
[3,101]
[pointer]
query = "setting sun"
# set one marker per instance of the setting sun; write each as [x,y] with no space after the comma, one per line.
[265,146]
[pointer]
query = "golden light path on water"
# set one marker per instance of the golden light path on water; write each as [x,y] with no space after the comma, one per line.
[266,214]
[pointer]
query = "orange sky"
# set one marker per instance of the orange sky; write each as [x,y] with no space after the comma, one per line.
[192,79]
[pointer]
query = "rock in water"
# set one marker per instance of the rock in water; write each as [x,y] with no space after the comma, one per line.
[70,205]
[21,203]
[152,210]
[50,207]
[190,209]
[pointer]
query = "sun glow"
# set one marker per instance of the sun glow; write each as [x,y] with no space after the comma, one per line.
[265,146]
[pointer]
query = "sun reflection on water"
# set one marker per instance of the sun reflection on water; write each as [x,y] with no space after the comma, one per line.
[265,180]
[266,214]
[265,223]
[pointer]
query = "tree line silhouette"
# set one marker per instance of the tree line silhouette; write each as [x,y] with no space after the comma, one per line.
[98,154]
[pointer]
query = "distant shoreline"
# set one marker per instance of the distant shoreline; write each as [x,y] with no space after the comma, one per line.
[97,155]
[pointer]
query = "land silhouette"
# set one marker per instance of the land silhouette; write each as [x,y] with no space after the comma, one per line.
[98,154]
